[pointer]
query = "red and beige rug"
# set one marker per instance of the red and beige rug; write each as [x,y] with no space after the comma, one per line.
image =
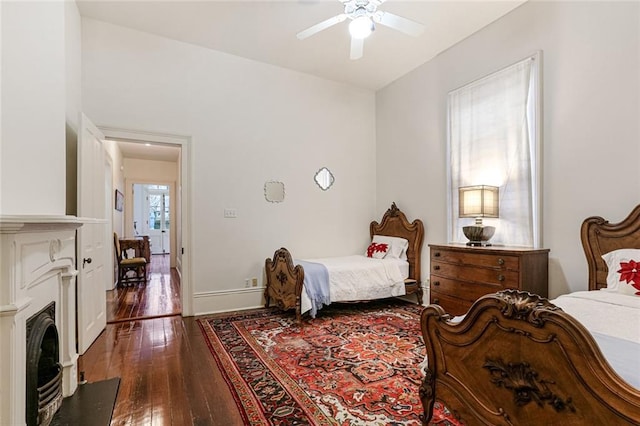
[354,364]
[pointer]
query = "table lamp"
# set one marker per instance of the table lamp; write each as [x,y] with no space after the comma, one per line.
[478,201]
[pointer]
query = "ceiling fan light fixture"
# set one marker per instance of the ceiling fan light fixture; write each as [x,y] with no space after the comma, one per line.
[361,27]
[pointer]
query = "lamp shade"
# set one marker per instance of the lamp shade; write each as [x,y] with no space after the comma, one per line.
[478,201]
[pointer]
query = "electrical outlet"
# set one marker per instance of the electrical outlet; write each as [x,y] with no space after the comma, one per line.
[246,283]
[230,213]
[254,282]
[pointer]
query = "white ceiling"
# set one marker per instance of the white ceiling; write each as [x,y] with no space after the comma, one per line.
[265,31]
[149,151]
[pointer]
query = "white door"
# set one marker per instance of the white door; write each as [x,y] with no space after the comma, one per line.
[159,220]
[91,245]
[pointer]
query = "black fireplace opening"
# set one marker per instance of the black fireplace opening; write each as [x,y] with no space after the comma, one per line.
[43,369]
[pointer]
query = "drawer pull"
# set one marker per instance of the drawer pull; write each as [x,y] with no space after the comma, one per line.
[500,261]
[436,301]
[436,267]
[500,277]
[436,254]
[436,283]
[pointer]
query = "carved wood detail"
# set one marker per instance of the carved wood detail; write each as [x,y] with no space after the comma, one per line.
[426,392]
[523,381]
[522,305]
[284,282]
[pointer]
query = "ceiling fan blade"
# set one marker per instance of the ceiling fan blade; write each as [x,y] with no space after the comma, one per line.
[399,23]
[321,26]
[357,46]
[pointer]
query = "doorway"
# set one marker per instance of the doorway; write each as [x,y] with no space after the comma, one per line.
[172,267]
[152,215]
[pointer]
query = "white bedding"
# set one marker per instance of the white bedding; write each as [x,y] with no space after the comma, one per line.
[357,277]
[614,314]
[613,319]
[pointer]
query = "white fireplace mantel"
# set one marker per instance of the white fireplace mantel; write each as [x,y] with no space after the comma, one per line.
[37,267]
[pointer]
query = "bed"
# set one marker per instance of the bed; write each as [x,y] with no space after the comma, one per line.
[518,359]
[288,280]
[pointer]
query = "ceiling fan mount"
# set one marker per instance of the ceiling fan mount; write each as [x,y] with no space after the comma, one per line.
[364,14]
[357,8]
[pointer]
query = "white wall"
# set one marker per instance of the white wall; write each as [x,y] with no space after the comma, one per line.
[32,166]
[249,122]
[591,136]
[73,87]
[73,61]
[1,109]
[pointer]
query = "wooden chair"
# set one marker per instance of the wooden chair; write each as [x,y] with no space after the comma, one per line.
[137,265]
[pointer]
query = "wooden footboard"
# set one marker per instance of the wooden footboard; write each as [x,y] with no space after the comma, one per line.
[517,359]
[284,282]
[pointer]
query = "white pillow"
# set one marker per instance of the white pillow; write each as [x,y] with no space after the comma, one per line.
[624,271]
[378,250]
[398,245]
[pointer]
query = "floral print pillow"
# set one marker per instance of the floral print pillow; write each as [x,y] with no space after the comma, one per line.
[377,250]
[624,271]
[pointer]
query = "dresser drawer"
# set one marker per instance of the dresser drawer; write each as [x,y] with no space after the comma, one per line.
[468,291]
[476,259]
[499,277]
[451,305]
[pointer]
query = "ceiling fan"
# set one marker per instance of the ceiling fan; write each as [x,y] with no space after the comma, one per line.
[364,14]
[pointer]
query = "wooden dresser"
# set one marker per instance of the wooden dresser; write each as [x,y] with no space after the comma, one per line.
[461,274]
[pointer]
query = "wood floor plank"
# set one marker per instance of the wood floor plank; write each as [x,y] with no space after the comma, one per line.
[167,373]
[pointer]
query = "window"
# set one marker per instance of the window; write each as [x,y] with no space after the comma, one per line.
[494,140]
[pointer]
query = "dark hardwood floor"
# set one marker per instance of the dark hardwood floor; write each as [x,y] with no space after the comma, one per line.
[160,296]
[168,375]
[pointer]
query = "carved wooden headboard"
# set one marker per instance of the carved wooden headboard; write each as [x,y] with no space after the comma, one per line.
[600,237]
[395,224]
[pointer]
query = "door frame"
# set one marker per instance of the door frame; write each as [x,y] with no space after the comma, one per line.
[183,250]
[109,208]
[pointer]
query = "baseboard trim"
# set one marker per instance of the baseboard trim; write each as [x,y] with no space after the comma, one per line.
[212,302]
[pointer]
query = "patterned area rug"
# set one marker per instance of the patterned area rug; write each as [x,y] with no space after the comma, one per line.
[355,364]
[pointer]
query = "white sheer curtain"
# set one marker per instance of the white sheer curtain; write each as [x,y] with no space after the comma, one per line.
[492,134]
